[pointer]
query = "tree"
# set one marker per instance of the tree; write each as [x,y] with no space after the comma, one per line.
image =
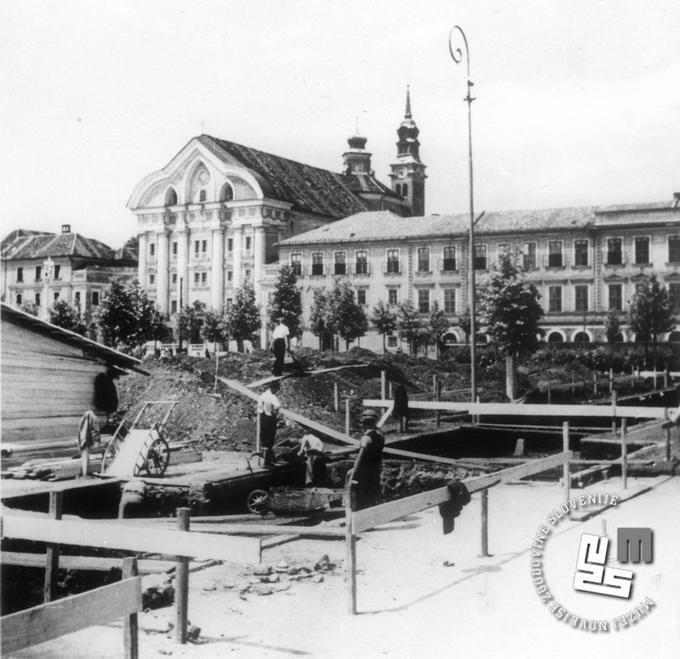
[286,301]
[409,325]
[612,326]
[344,315]
[465,323]
[212,329]
[64,315]
[317,317]
[650,312]
[438,326]
[510,310]
[190,321]
[384,321]
[125,315]
[242,321]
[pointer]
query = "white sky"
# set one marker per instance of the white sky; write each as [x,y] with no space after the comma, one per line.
[578,100]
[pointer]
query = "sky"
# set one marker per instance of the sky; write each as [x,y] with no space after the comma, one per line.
[577,101]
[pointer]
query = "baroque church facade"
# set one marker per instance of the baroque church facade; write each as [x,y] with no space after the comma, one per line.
[211,219]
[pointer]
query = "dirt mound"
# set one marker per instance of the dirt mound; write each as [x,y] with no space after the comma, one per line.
[213,417]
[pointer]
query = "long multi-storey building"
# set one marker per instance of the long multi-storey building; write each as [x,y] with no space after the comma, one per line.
[584,262]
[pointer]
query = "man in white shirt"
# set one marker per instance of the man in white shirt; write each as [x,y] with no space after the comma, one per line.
[312,448]
[268,405]
[280,343]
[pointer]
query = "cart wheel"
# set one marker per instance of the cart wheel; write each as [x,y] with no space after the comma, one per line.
[256,502]
[157,458]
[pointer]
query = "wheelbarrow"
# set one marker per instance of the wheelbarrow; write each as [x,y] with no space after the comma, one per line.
[136,451]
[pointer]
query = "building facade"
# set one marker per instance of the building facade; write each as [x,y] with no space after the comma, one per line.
[211,219]
[584,262]
[39,268]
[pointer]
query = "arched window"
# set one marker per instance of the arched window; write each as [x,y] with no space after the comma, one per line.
[202,196]
[555,337]
[581,338]
[449,338]
[170,197]
[226,193]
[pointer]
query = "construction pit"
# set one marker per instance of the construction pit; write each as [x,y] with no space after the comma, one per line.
[468,450]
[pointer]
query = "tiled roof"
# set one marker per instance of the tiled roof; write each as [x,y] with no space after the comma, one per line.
[40,246]
[369,183]
[384,225]
[307,188]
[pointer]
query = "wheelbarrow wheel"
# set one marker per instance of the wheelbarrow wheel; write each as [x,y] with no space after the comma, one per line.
[157,457]
[257,502]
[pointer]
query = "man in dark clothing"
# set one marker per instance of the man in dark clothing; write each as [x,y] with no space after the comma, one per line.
[365,476]
[268,406]
[280,343]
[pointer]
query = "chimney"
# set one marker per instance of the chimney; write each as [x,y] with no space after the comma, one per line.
[66,228]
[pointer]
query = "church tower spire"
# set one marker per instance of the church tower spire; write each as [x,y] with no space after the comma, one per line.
[407,171]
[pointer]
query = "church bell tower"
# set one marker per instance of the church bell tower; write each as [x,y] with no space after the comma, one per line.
[407,171]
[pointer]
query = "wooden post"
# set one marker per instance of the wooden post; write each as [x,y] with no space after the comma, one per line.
[131,625]
[665,378]
[181,582]
[632,377]
[654,385]
[595,382]
[668,443]
[383,385]
[485,522]
[347,416]
[611,380]
[351,557]
[438,397]
[624,453]
[573,383]
[52,552]
[566,476]
[258,448]
[549,392]
[336,396]
[613,397]
[217,367]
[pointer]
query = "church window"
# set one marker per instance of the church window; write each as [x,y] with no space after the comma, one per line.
[202,196]
[170,197]
[227,193]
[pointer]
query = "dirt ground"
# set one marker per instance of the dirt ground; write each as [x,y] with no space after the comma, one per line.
[422,594]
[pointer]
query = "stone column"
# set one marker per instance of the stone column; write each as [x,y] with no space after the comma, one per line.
[162,271]
[238,256]
[217,265]
[182,267]
[141,260]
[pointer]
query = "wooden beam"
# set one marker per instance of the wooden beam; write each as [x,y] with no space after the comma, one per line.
[511,409]
[93,563]
[387,512]
[132,538]
[48,621]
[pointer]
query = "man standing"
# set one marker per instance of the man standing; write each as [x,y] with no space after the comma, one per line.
[268,406]
[365,476]
[280,343]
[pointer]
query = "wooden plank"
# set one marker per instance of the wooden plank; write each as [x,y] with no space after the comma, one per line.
[92,563]
[387,512]
[130,621]
[56,509]
[48,621]
[132,538]
[510,409]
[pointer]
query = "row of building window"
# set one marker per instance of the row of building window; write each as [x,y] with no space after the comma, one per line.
[201,247]
[555,257]
[37,298]
[38,273]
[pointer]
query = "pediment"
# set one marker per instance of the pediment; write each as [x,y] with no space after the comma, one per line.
[196,175]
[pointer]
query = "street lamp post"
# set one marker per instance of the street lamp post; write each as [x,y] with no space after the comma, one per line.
[457,55]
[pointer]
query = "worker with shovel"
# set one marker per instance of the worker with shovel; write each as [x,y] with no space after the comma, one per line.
[365,489]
